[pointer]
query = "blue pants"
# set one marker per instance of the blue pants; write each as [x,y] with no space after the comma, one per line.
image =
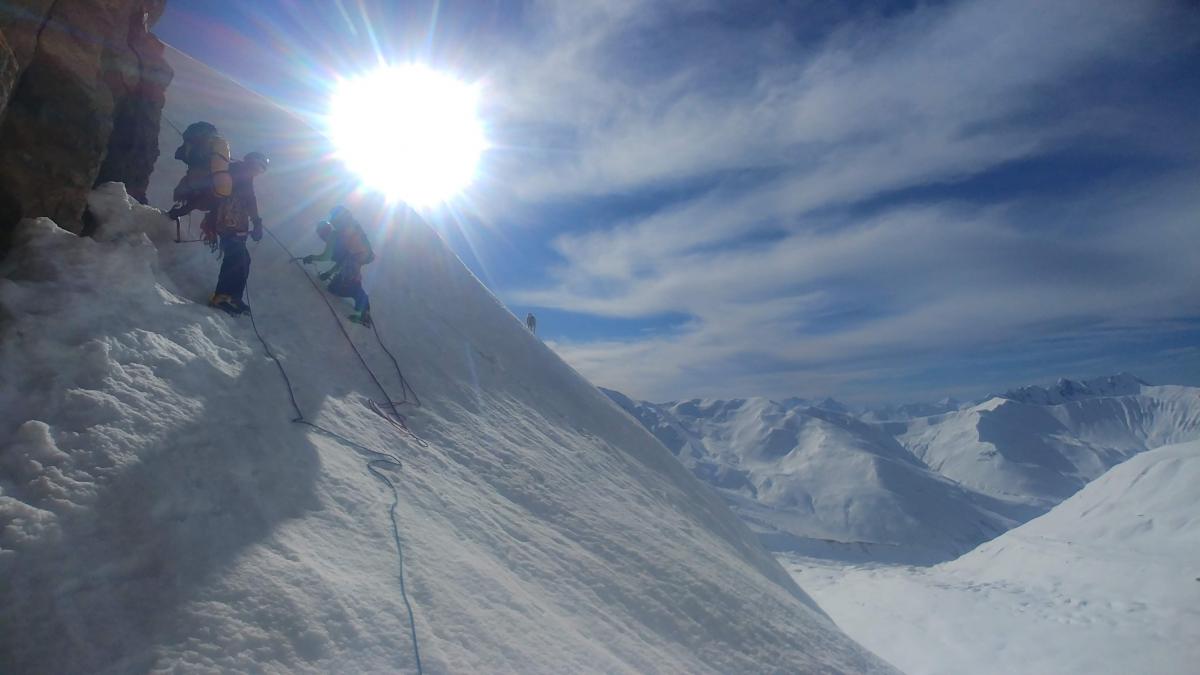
[235,267]
[348,288]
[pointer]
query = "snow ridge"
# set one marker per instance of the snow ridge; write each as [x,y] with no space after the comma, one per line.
[1121,384]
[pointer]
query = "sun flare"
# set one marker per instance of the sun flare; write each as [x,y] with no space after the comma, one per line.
[409,132]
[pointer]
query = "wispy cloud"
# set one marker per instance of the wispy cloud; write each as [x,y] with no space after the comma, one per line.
[787,278]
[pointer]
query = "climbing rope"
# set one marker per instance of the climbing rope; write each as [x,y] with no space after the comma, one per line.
[380,460]
[405,388]
[172,124]
[393,417]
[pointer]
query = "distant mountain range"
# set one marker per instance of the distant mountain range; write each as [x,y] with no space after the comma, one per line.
[1122,384]
[1062,391]
[819,478]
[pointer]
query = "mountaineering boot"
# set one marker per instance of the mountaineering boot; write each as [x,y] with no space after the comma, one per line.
[242,307]
[363,317]
[224,303]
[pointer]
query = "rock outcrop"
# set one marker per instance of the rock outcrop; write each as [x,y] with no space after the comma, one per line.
[82,86]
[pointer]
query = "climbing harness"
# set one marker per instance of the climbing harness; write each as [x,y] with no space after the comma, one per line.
[375,465]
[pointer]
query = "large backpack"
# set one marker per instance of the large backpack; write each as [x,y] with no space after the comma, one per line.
[351,250]
[352,245]
[206,154]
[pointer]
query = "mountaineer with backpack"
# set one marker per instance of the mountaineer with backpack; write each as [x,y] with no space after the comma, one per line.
[228,225]
[207,180]
[348,247]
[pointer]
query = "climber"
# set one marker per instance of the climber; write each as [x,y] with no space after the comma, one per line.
[531,322]
[347,246]
[208,179]
[230,223]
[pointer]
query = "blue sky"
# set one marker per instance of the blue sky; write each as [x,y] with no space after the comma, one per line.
[878,201]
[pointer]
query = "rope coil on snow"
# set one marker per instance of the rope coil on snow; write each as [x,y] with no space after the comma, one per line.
[381,459]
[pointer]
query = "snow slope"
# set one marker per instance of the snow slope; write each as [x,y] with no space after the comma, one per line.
[815,481]
[160,511]
[1106,582]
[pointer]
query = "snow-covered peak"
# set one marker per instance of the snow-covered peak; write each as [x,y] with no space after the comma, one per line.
[814,480]
[799,474]
[1122,384]
[828,403]
[1147,504]
[909,411]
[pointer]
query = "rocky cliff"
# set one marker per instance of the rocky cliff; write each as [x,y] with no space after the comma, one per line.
[82,85]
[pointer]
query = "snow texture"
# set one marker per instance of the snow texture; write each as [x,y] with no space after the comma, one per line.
[159,510]
[1106,582]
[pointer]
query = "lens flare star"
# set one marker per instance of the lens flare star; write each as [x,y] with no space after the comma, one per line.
[409,132]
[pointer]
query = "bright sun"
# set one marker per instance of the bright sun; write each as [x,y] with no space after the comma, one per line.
[409,132]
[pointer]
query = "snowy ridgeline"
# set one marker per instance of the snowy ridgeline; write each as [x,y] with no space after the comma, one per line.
[1106,582]
[819,482]
[160,511]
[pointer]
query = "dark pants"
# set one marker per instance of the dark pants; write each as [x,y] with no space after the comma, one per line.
[235,267]
[350,288]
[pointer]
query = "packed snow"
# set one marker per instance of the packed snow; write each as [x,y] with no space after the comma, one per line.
[1106,582]
[159,509]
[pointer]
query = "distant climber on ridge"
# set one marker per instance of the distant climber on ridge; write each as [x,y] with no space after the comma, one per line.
[229,223]
[531,322]
[348,247]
